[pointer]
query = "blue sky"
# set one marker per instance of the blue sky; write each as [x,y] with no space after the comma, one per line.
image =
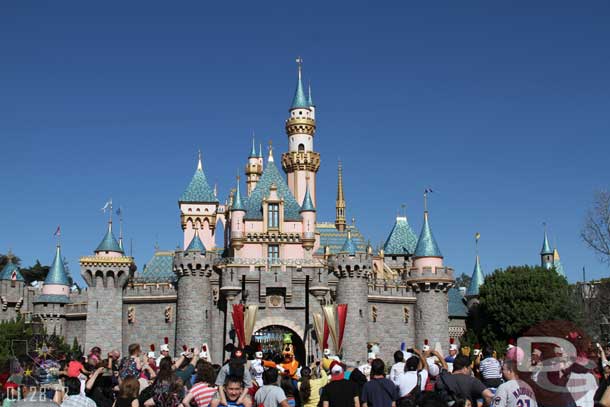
[501,107]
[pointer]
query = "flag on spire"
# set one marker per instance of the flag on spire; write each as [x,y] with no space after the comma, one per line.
[57,231]
[107,206]
[119,211]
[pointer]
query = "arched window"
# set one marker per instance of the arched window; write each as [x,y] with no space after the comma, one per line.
[301,147]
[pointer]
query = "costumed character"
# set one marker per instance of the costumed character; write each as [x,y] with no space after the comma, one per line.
[257,368]
[205,353]
[152,357]
[163,350]
[366,368]
[289,365]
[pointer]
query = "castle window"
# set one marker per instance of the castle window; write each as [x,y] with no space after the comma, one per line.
[274,216]
[301,147]
[273,253]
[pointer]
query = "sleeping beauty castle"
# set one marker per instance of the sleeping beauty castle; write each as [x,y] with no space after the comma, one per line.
[266,248]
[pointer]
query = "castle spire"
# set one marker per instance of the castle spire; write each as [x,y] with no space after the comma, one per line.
[299,101]
[309,98]
[340,223]
[109,242]
[253,151]
[270,158]
[199,164]
[237,201]
[57,273]
[426,244]
[349,246]
[477,278]
[546,247]
[307,202]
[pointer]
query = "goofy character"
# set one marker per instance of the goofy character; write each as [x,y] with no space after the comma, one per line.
[289,366]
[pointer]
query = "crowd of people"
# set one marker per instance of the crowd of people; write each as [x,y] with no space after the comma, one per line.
[416,378]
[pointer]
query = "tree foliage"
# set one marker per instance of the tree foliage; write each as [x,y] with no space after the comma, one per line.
[596,229]
[4,260]
[463,280]
[514,299]
[37,272]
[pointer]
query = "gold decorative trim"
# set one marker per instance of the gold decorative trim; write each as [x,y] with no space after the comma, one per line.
[391,299]
[106,260]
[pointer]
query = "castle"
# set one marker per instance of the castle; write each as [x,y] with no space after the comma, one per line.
[274,253]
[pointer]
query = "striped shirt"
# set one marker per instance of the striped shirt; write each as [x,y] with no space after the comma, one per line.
[490,369]
[78,401]
[202,393]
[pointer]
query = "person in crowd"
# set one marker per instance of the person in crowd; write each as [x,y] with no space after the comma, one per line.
[379,391]
[416,371]
[366,368]
[99,385]
[436,363]
[168,389]
[33,395]
[288,385]
[339,392]
[129,389]
[461,385]
[490,369]
[73,396]
[132,365]
[204,388]
[513,392]
[236,367]
[231,394]
[398,367]
[271,395]
[310,385]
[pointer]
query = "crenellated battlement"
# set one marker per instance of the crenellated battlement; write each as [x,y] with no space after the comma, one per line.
[111,272]
[194,263]
[430,274]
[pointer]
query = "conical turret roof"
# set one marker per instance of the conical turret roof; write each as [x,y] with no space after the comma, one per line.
[196,244]
[198,189]
[10,271]
[237,200]
[109,242]
[557,263]
[477,279]
[299,101]
[426,244]
[57,273]
[546,247]
[307,202]
[349,246]
[401,240]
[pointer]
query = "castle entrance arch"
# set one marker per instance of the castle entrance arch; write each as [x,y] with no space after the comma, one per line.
[271,341]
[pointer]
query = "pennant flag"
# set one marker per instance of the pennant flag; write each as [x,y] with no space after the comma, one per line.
[107,206]
[57,231]
[249,321]
[238,323]
[318,324]
[330,314]
[428,190]
[119,211]
[477,236]
[341,318]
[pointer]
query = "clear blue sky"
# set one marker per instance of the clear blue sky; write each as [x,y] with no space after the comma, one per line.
[501,107]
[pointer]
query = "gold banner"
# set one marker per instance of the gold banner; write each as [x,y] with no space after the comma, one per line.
[318,325]
[249,321]
[330,314]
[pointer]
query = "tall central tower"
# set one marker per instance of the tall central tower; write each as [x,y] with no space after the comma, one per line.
[301,163]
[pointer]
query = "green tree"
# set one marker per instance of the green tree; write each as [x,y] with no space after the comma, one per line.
[463,280]
[12,332]
[4,260]
[514,299]
[36,272]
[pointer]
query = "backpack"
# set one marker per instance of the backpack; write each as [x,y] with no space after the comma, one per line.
[412,399]
[128,367]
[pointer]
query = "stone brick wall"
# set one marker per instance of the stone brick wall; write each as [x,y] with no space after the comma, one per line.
[194,310]
[391,329]
[149,326]
[76,329]
[104,317]
[432,319]
[354,292]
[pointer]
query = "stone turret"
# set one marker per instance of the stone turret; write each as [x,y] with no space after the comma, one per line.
[546,253]
[430,281]
[12,290]
[106,273]
[353,268]
[254,168]
[194,267]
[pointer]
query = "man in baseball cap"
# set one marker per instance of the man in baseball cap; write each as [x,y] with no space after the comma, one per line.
[338,391]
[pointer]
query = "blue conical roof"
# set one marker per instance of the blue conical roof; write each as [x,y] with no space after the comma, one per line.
[253,151]
[349,246]
[196,244]
[299,100]
[477,279]
[57,273]
[309,99]
[546,247]
[307,202]
[237,201]
[9,270]
[198,190]
[109,242]
[402,239]
[426,244]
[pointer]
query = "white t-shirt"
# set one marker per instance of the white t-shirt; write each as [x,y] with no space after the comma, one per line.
[270,396]
[366,370]
[408,380]
[396,370]
[583,385]
[514,393]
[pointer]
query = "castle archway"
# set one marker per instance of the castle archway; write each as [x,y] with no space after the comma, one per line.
[270,338]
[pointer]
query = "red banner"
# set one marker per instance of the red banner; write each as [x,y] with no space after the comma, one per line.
[341,317]
[238,323]
[326,333]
